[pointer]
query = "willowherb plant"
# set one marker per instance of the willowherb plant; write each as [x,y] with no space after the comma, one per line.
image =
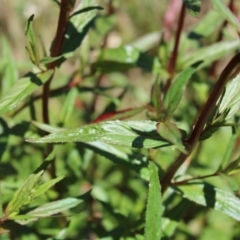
[155,175]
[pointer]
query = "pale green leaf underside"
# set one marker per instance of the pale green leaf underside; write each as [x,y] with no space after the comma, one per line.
[138,134]
[23,88]
[153,229]
[209,196]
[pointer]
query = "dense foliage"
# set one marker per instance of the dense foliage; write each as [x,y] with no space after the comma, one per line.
[119,119]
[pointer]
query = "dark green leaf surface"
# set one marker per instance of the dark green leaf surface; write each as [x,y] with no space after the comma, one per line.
[80,22]
[126,57]
[193,6]
[153,229]
[23,88]
[209,196]
[138,134]
[174,93]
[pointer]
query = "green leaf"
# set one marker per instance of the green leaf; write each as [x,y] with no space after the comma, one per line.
[193,6]
[47,210]
[228,152]
[231,100]
[129,159]
[174,93]
[80,22]
[233,184]
[68,106]
[41,189]
[232,166]
[138,134]
[31,42]
[210,53]
[209,196]
[22,89]
[170,132]
[207,25]
[153,228]
[126,57]
[46,60]
[23,196]
[225,12]
[9,72]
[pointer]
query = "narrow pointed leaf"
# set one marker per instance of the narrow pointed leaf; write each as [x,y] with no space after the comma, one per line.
[232,183]
[209,196]
[228,152]
[68,106]
[153,227]
[193,6]
[138,134]
[174,93]
[170,132]
[80,23]
[210,53]
[45,186]
[225,12]
[49,209]
[23,195]
[232,166]
[231,99]
[31,42]
[23,88]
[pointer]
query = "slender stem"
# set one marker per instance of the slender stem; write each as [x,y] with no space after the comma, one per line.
[227,74]
[173,58]
[55,51]
[213,98]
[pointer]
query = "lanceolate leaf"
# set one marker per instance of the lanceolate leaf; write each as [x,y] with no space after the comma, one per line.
[210,53]
[225,12]
[138,134]
[174,94]
[193,6]
[23,195]
[48,209]
[209,196]
[31,42]
[153,229]
[231,99]
[80,22]
[22,89]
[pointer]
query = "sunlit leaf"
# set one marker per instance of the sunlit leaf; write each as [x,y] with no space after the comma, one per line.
[24,195]
[23,88]
[225,12]
[31,42]
[170,132]
[138,134]
[207,25]
[232,183]
[209,196]
[80,22]
[210,53]
[153,229]
[231,99]
[49,209]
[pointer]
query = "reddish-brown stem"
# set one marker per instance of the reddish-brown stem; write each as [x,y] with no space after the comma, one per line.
[212,70]
[173,58]
[55,51]
[230,70]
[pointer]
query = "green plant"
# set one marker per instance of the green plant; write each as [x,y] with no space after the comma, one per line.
[95,174]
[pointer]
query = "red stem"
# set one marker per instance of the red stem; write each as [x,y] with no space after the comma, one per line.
[55,51]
